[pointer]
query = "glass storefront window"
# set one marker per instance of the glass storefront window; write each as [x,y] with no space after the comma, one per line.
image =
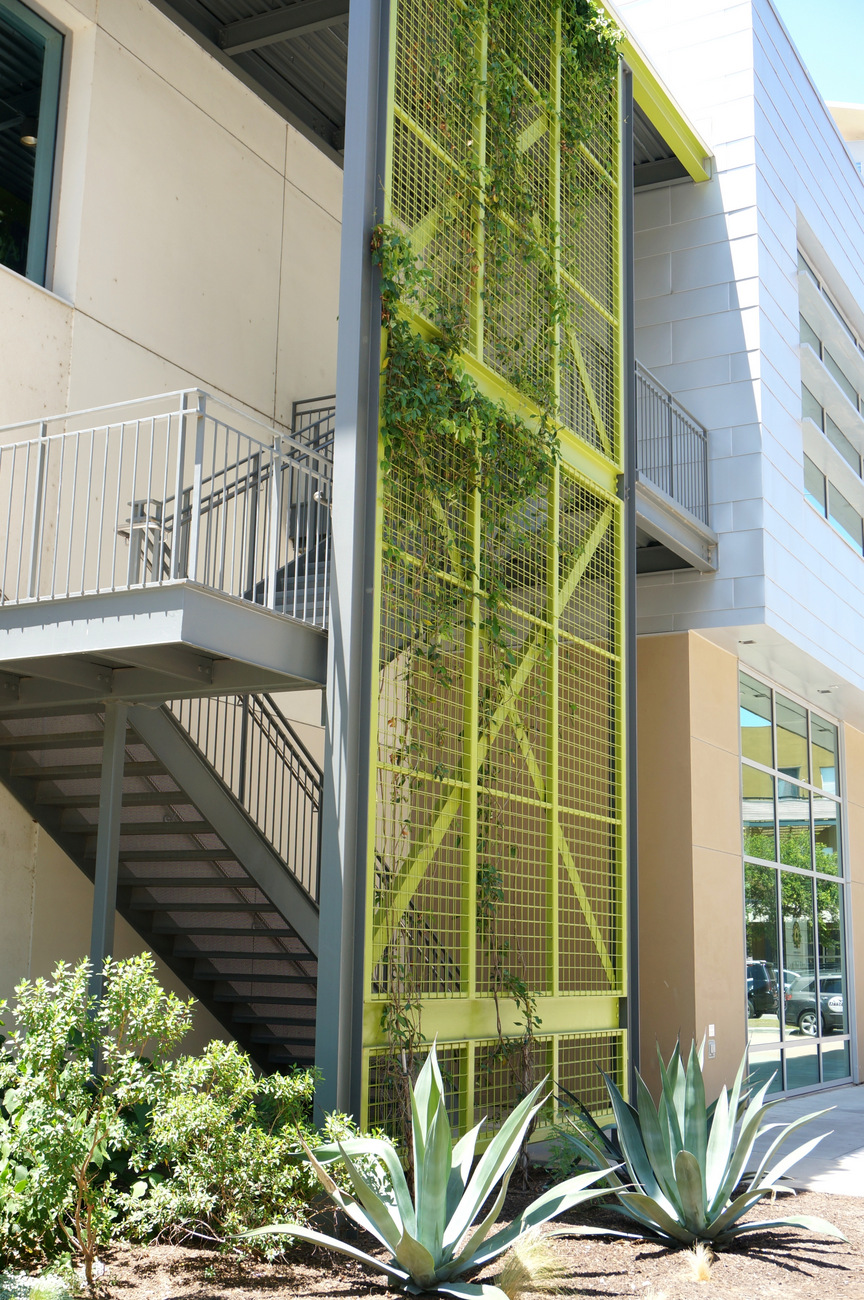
[792,757]
[759,836]
[797,1014]
[756,742]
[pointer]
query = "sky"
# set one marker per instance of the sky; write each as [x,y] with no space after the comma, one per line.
[829,35]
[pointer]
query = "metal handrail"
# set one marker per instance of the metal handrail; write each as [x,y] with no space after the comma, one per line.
[175,494]
[313,422]
[258,755]
[671,445]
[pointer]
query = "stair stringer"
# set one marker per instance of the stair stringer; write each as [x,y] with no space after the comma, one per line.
[217,805]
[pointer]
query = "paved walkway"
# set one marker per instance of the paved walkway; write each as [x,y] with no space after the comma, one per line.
[837,1163]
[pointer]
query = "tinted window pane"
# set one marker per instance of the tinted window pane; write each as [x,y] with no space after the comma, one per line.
[840,378]
[809,335]
[763,953]
[799,931]
[814,485]
[29,81]
[758,814]
[842,443]
[765,1066]
[756,722]
[810,408]
[829,926]
[802,1065]
[794,823]
[835,1061]
[826,834]
[792,739]
[823,740]
[844,517]
[804,265]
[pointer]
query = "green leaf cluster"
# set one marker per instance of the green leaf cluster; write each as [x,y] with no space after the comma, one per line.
[218,1154]
[65,1122]
[685,1163]
[432,1237]
[145,1141]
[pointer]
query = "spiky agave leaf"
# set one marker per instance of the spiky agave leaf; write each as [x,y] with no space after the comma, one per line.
[685,1160]
[423,1234]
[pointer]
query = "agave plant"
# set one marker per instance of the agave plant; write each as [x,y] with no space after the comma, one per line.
[685,1162]
[430,1236]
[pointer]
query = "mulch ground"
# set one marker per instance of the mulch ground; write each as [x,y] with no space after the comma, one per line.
[778,1263]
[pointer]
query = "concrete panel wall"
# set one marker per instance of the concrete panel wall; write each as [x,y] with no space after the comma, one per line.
[691,904]
[195,236]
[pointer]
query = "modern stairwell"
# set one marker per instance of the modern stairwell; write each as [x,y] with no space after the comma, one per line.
[168,565]
[208,886]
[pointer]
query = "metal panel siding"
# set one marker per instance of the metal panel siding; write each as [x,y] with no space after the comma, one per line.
[509,758]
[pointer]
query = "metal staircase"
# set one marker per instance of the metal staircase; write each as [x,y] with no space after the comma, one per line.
[207,889]
[164,564]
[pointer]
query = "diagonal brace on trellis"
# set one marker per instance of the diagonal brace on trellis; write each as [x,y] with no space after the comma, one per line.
[411,872]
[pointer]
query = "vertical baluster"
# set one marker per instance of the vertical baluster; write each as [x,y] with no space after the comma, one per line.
[38,506]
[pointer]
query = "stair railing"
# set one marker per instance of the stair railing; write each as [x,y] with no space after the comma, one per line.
[175,488]
[259,756]
[671,446]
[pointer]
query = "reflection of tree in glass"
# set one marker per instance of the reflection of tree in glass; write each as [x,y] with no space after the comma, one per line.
[797,896]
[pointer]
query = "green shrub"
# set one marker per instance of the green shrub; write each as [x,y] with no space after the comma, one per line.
[220,1151]
[63,1121]
[148,1145]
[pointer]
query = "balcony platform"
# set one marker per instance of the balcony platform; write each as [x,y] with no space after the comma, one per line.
[151,644]
[684,541]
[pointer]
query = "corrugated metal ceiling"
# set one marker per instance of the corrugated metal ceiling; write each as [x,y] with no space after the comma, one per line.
[306,76]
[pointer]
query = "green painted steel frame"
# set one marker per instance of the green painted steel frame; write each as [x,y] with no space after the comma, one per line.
[469,1021]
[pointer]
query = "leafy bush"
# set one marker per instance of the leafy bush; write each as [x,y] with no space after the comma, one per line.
[64,1120]
[685,1162]
[220,1152]
[145,1144]
[429,1236]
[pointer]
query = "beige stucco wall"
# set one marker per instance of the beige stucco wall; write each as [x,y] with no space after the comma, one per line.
[691,903]
[46,913]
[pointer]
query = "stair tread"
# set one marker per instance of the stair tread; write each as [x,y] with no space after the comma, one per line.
[54,740]
[82,771]
[146,828]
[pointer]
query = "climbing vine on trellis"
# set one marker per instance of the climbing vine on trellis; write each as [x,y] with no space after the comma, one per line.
[457,446]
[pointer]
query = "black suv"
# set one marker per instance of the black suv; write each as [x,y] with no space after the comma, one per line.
[761,989]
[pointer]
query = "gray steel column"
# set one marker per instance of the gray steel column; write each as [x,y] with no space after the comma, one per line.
[107,841]
[628,362]
[351,656]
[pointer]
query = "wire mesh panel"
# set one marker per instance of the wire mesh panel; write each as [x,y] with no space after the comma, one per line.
[495,881]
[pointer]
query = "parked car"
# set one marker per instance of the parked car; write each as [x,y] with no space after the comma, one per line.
[761,989]
[800,1004]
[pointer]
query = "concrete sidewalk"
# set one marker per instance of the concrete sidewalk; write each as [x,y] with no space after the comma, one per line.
[837,1164]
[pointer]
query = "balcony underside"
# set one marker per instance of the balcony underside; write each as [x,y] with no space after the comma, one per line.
[677,538]
[149,645]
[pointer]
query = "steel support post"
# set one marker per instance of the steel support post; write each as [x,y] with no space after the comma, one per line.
[107,842]
[351,654]
[628,361]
